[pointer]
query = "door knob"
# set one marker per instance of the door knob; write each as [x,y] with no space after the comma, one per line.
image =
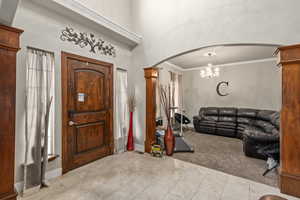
[71,123]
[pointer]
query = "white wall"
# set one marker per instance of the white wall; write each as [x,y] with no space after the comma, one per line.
[118,11]
[253,85]
[171,27]
[7,11]
[164,72]
[42,30]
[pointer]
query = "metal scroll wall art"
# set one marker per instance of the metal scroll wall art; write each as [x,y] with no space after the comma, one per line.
[218,88]
[84,39]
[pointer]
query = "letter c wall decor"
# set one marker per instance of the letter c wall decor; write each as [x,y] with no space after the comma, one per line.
[218,88]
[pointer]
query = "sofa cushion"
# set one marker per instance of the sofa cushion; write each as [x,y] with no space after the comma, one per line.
[265,114]
[239,128]
[227,111]
[210,118]
[226,125]
[244,120]
[209,111]
[264,125]
[252,149]
[227,119]
[246,112]
[196,118]
[242,127]
[275,132]
[207,125]
[258,135]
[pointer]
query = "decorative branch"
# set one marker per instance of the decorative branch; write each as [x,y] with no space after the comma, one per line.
[84,39]
[131,102]
[165,98]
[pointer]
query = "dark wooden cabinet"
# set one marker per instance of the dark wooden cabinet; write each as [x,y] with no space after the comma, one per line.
[9,45]
[289,59]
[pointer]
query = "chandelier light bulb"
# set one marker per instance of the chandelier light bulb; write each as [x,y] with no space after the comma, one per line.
[210,72]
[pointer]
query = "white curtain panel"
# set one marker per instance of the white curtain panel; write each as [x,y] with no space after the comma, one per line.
[122,112]
[39,94]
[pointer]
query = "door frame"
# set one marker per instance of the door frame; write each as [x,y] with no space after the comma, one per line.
[64,92]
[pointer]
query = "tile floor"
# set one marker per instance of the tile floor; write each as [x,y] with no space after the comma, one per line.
[134,176]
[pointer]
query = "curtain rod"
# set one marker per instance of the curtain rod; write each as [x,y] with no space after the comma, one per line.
[42,50]
[121,69]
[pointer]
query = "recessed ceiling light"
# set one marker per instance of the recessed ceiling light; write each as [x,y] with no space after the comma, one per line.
[210,54]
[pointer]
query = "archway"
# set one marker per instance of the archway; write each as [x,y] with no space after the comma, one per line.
[290,161]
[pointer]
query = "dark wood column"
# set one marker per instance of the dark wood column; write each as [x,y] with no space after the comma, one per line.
[9,45]
[289,59]
[151,75]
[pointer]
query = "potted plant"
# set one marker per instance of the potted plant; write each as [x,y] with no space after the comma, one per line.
[131,108]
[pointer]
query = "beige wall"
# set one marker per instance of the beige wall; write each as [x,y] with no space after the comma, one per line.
[253,85]
[42,30]
[118,11]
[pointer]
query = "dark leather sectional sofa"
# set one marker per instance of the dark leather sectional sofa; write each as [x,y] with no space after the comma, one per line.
[257,128]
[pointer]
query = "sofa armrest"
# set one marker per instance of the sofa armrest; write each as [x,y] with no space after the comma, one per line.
[197,118]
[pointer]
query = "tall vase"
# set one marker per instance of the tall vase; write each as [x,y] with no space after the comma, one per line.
[130,144]
[169,140]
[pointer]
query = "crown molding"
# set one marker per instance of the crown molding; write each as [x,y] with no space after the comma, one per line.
[233,64]
[76,10]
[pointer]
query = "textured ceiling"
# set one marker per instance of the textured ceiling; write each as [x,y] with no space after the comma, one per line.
[224,55]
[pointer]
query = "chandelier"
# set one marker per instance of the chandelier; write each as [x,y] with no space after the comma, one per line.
[210,72]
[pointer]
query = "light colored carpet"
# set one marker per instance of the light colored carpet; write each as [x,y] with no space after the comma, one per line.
[226,155]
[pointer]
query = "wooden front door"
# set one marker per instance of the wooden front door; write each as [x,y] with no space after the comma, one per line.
[87,87]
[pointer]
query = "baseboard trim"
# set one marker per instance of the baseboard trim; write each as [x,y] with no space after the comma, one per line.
[290,184]
[10,196]
[49,175]
[139,147]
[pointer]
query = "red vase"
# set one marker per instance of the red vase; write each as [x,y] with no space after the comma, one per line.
[130,144]
[169,140]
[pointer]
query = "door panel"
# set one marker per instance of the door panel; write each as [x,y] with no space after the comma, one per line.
[87,106]
[89,136]
[89,87]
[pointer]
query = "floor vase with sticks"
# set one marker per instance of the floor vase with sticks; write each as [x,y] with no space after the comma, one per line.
[169,138]
[131,107]
[130,144]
